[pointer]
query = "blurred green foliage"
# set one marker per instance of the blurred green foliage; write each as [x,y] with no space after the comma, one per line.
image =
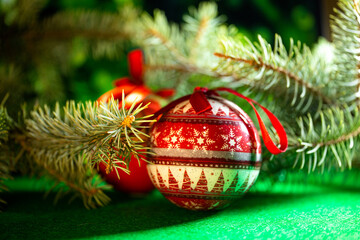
[88,78]
[291,19]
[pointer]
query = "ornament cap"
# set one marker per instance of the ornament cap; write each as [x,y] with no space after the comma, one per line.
[199,102]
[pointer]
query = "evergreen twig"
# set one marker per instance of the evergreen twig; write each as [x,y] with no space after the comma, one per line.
[260,64]
[333,143]
[297,73]
[68,144]
[177,53]
[345,25]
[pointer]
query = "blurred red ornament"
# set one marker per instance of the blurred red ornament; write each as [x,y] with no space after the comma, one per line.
[138,180]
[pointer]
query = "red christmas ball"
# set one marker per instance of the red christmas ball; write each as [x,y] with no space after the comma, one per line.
[204,161]
[137,182]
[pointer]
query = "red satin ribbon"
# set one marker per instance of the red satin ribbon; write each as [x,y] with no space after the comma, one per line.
[136,66]
[136,69]
[200,104]
[135,83]
[269,143]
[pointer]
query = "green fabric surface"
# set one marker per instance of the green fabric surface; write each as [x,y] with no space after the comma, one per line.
[288,211]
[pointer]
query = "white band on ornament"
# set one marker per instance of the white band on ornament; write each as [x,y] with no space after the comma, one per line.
[190,153]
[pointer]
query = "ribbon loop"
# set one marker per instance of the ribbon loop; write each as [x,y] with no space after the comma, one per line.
[269,143]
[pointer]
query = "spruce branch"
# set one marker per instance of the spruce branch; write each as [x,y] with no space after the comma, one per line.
[177,52]
[345,25]
[23,12]
[278,70]
[27,35]
[104,33]
[86,129]
[199,26]
[295,73]
[87,185]
[332,142]
[159,32]
[69,143]
[332,139]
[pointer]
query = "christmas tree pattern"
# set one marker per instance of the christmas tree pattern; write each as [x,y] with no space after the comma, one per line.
[202,180]
[244,185]
[232,186]
[173,184]
[252,179]
[202,183]
[187,182]
[178,174]
[219,185]
[161,180]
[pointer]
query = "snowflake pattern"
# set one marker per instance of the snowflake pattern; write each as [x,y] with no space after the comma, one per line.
[174,139]
[201,140]
[231,142]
